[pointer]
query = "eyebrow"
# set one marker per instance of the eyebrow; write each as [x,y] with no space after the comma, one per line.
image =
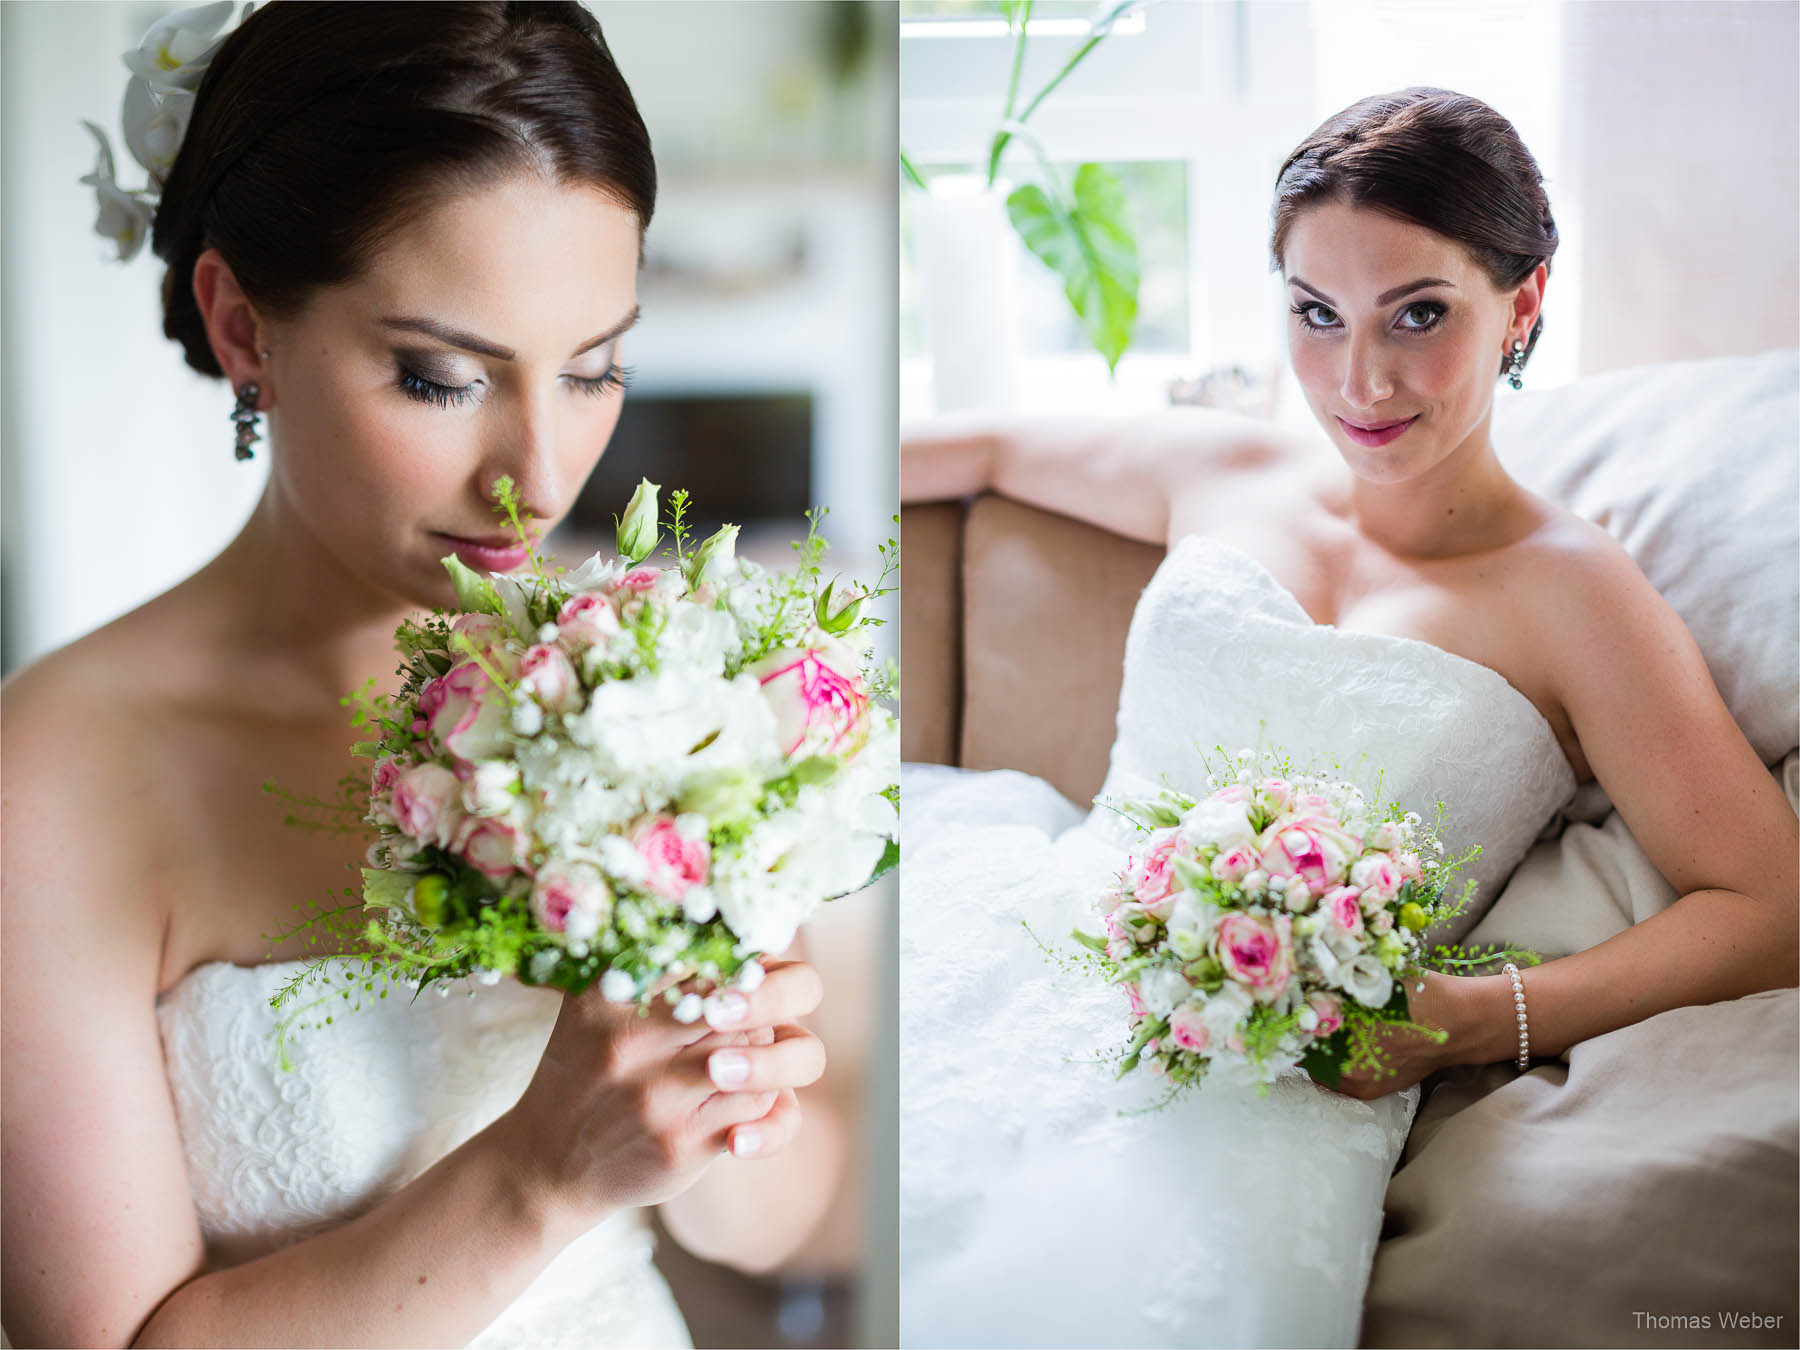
[481,346]
[1385,296]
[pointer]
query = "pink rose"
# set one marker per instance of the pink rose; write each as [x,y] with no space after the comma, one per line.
[1234,864]
[466,712]
[587,620]
[1153,874]
[485,631]
[1378,876]
[1344,905]
[677,862]
[1135,999]
[1314,848]
[639,580]
[548,674]
[1187,1030]
[1409,867]
[1257,952]
[570,897]
[383,778]
[817,697]
[1310,804]
[490,844]
[1232,792]
[1278,792]
[423,802]
[1330,1010]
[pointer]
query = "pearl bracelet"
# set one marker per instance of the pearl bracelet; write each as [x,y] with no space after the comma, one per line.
[1524,1060]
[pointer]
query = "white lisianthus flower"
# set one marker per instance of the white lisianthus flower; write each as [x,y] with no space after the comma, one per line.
[1367,981]
[1191,924]
[1163,989]
[1216,822]
[1332,949]
[646,731]
[593,575]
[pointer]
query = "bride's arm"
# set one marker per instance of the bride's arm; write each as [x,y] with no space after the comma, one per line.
[1696,798]
[1131,475]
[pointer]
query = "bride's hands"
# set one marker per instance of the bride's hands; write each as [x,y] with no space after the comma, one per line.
[628,1108]
[1408,1055]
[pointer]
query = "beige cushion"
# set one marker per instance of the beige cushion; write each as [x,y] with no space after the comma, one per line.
[1654,1173]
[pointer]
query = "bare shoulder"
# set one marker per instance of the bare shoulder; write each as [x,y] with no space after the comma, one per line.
[1604,634]
[95,1186]
[84,734]
[1579,581]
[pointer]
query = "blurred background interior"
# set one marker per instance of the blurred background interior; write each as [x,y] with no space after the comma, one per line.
[1662,129]
[763,382]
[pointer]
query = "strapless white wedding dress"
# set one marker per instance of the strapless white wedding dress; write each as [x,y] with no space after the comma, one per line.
[1034,1211]
[372,1100]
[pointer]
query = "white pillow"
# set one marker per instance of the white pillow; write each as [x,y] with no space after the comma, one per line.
[1694,466]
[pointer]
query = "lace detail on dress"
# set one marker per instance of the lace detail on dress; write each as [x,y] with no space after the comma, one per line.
[1227,1218]
[373,1099]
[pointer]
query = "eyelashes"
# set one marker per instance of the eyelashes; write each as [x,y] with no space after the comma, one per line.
[416,386]
[1436,308]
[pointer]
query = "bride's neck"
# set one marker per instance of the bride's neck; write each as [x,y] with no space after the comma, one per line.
[298,628]
[1465,503]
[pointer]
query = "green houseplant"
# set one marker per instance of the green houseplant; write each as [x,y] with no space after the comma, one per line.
[1077,227]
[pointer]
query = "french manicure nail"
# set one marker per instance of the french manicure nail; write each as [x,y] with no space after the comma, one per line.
[728,1068]
[746,1143]
[726,1009]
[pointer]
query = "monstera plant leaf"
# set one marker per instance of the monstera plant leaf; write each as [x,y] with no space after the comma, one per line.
[1088,243]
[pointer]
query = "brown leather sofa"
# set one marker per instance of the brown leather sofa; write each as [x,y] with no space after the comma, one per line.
[991,679]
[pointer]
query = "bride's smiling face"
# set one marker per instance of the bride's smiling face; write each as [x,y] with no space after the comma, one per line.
[483,340]
[1372,346]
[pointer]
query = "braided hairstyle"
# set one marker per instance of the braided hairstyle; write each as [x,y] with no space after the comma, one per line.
[321,130]
[1435,158]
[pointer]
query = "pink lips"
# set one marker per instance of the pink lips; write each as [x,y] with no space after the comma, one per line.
[485,557]
[1380,434]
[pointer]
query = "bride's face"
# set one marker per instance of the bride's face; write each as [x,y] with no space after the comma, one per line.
[388,437]
[1370,347]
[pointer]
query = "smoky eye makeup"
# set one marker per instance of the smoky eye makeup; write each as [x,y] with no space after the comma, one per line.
[427,378]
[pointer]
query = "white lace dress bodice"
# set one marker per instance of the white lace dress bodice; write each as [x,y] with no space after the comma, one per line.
[1035,1210]
[371,1100]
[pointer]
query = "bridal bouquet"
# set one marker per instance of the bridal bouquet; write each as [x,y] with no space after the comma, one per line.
[641,775]
[1266,924]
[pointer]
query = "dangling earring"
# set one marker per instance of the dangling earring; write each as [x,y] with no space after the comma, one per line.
[1516,369]
[245,416]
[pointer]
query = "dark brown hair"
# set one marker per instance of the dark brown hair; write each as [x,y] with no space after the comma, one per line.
[1438,159]
[321,129]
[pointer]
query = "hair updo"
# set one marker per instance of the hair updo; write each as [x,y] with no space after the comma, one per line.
[321,130]
[1438,159]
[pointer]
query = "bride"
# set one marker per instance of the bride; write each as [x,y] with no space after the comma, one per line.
[1397,602]
[409,235]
